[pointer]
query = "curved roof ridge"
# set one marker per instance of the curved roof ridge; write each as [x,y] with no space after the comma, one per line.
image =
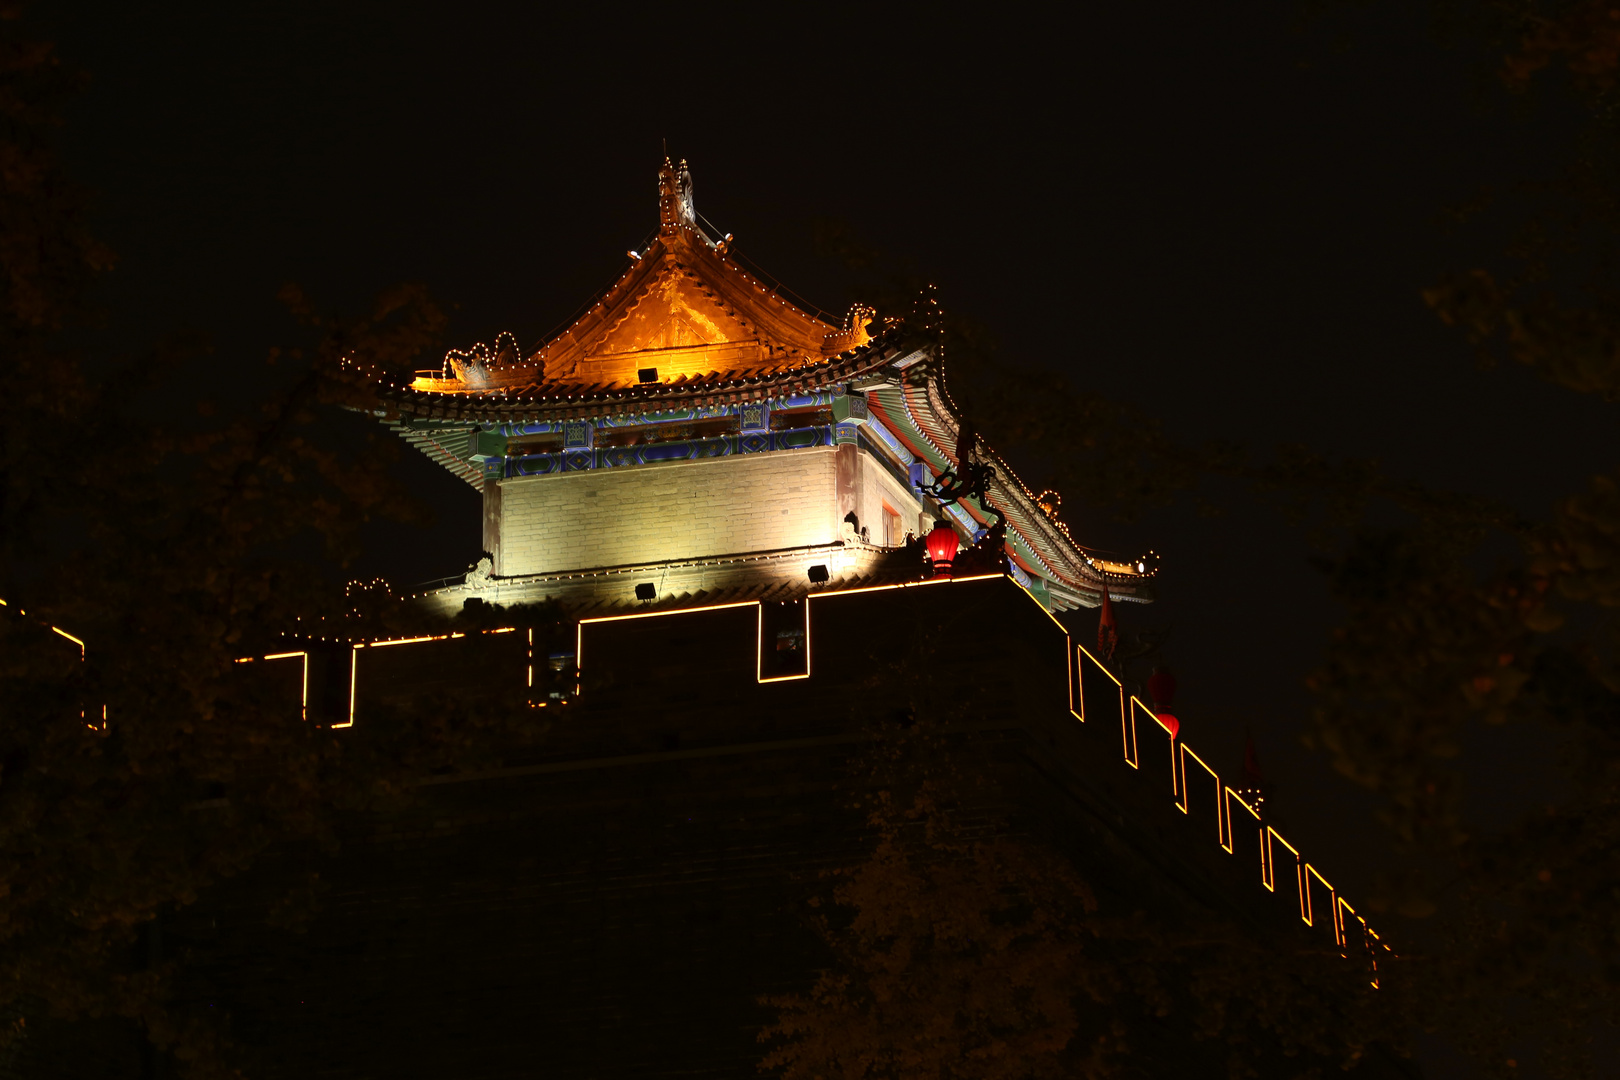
[1048,539]
[682,310]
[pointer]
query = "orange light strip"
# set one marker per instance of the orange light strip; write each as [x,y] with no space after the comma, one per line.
[80,644]
[1231,797]
[70,637]
[1077,688]
[303,704]
[1373,946]
[1067,651]
[1077,656]
[1083,656]
[759,648]
[911,585]
[1184,801]
[1029,594]
[1340,907]
[579,632]
[354,678]
[1307,872]
[401,641]
[1273,836]
[1225,796]
[579,627]
[354,658]
[412,640]
[1127,728]
[1136,703]
[1094,660]
[667,611]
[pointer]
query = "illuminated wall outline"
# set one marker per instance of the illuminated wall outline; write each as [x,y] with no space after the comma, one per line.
[303,698]
[1278,857]
[759,639]
[354,658]
[1280,862]
[1311,888]
[59,632]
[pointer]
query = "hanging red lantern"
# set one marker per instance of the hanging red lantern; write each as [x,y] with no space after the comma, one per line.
[942,544]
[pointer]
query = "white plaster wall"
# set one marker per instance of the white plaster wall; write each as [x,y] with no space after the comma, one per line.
[681,510]
[878,487]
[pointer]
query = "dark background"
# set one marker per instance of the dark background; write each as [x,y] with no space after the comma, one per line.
[1222,214]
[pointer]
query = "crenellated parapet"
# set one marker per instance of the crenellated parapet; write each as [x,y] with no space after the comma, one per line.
[790,667]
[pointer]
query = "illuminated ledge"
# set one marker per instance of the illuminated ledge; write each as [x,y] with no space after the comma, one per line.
[781,573]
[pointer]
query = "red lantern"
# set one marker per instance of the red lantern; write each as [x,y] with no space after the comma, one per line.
[942,544]
[1169,723]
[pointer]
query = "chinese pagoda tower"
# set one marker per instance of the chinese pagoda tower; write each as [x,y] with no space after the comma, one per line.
[695,435]
[721,494]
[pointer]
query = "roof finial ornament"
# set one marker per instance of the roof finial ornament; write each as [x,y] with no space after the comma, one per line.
[675,207]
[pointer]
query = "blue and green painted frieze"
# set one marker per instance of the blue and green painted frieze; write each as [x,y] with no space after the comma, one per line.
[748,442]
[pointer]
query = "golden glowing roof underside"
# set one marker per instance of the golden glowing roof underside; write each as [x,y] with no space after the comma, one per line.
[683,310]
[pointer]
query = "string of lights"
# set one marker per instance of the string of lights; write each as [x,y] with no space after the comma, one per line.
[1273,867]
[83,654]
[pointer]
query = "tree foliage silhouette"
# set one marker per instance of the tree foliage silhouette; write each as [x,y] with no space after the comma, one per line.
[134,777]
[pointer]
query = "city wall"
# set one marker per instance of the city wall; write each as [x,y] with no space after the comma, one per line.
[615,901]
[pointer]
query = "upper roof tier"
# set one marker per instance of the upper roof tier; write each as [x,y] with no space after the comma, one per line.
[683,312]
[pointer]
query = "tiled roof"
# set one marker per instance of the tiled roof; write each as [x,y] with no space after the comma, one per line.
[685,324]
[918,410]
[537,401]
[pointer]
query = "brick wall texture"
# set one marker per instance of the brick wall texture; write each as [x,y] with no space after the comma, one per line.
[651,513]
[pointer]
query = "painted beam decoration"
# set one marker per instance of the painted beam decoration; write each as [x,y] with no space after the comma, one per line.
[653,453]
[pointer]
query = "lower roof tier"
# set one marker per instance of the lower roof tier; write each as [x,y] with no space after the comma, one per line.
[891,404]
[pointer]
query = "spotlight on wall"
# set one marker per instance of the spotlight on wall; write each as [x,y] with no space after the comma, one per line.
[646,591]
[647,374]
[818,574]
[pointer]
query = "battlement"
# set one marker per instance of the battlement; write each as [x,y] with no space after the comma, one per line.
[752,676]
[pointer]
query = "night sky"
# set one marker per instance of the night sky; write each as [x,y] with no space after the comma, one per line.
[1215,212]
